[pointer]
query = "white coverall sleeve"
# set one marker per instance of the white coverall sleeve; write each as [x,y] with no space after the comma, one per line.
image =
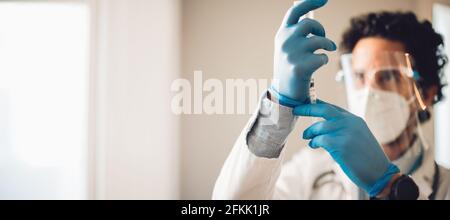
[253,167]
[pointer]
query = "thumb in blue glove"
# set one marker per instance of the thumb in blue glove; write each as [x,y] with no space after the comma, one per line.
[350,143]
[295,60]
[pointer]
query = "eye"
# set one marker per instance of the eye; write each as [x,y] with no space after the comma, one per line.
[359,79]
[360,76]
[386,76]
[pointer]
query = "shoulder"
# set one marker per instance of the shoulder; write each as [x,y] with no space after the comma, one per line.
[444,182]
[444,175]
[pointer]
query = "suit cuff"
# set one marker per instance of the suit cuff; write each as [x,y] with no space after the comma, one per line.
[271,129]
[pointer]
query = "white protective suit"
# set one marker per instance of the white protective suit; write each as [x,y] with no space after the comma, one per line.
[311,174]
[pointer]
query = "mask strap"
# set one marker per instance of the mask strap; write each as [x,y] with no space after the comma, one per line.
[416,90]
[421,135]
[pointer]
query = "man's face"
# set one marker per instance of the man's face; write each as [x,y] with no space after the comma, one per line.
[373,69]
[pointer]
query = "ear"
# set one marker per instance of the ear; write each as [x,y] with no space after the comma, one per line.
[429,95]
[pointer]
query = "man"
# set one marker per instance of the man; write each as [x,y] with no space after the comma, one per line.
[392,76]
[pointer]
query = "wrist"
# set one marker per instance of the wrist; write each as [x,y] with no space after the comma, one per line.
[387,190]
[383,181]
[280,99]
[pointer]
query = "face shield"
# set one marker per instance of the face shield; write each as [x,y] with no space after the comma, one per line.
[381,89]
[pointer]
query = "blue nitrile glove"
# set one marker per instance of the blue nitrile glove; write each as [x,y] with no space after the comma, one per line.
[349,141]
[295,60]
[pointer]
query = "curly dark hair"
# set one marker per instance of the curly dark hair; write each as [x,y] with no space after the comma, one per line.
[419,39]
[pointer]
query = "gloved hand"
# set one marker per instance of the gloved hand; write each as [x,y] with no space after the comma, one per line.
[350,143]
[295,60]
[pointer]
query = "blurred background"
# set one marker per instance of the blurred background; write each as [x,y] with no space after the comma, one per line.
[85,90]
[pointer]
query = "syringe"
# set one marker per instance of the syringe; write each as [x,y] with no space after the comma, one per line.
[312,89]
[312,92]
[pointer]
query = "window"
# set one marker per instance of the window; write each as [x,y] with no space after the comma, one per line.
[44,63]
[441,19]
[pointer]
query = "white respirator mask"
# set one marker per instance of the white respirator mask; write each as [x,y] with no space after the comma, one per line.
[386,113]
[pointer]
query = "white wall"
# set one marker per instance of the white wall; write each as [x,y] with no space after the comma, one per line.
[425,8]
[234,39]
[135,134]
[441,17]
[136,137]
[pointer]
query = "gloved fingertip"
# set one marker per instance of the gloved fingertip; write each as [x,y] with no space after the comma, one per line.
[319,2]
[311,145]
[306,135]
[330,46]
[334,46]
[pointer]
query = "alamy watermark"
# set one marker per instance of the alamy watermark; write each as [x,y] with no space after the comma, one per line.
[214,96]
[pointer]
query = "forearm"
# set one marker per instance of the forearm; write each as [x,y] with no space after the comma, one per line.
[254,164]
[272,127]
[246,176]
